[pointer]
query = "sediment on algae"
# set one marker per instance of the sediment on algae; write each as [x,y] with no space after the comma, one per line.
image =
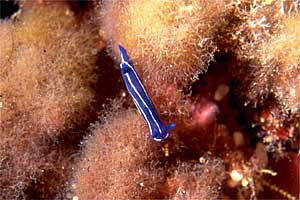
[195,180]
[257,38]
[275,78]
[48,63]
[170,41]
[120,160]
[262,40]
[277,68]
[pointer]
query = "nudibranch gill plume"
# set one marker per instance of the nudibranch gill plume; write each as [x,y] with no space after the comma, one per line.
[158,130]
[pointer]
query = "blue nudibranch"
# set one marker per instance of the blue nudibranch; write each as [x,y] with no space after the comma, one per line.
[158,130]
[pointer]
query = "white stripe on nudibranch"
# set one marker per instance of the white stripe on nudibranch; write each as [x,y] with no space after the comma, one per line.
[141,99]
[133,70]
[129,65]
[143,114]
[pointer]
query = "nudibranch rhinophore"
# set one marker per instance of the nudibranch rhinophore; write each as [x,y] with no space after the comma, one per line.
[158,130]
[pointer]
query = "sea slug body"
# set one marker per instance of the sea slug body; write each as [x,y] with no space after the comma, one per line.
[158,130]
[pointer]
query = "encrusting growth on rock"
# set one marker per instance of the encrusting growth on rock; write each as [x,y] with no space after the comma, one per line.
[277,71]
[170,42]
[120,160]
[195,180]
[47,74]
[226,72]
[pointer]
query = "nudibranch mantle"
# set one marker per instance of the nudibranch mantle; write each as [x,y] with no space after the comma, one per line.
[158,130]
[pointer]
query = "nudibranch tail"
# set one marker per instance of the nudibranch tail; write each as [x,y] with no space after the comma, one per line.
[171,126]
[141,99]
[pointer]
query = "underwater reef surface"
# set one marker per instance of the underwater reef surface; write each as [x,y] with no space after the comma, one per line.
[226,72]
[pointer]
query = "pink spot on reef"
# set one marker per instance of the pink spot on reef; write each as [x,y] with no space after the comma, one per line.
[204,112]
